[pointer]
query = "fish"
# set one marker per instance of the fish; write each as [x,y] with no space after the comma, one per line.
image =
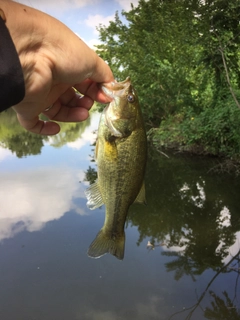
[121,156]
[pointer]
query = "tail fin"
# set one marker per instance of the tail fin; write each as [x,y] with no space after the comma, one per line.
[103,244]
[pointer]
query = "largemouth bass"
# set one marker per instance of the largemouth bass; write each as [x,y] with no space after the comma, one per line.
[120,153]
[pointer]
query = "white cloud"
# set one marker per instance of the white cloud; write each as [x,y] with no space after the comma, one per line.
[79,143]
[198,200]
[59,5]
[92,43]
[224,219]
[69,4]
[234,249]
[126,4]
[95,20]
[5,153]
[31,198]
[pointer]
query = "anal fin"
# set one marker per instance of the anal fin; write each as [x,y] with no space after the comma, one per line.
[141,197]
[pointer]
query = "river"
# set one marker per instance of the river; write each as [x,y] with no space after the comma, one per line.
[182,248]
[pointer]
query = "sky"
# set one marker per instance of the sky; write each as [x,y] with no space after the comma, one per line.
[82,16]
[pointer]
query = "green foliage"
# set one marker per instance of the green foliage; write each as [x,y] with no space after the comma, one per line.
[217,131]
[151,49]
[90,175]
[214,132]
[183,59]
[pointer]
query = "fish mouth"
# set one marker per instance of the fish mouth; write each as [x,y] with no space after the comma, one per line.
[116,89]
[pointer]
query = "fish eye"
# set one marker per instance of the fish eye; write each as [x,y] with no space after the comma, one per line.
[131,98]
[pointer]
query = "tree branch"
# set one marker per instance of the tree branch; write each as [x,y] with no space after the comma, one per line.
[227,76]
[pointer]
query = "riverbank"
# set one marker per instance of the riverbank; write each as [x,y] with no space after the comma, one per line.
[172,139]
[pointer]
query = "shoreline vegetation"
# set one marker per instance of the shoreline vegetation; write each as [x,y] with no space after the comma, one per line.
[23,143]
[183,58]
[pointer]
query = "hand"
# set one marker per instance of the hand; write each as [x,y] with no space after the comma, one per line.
[54,61]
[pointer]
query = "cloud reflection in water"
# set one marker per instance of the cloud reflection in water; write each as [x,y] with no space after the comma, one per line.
[31,198]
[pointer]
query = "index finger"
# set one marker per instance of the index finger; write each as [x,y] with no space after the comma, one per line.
[92,90]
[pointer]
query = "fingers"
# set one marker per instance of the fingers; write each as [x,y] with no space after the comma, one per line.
[38,126]
[92,90]
[63,113]
[58,113]
[70,107]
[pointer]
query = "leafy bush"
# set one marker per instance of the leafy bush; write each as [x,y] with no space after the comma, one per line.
[216,130]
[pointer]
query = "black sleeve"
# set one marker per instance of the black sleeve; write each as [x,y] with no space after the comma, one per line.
[12,87]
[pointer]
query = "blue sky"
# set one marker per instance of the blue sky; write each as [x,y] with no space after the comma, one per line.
[82,16]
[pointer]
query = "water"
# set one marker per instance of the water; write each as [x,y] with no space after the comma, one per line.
[182,249]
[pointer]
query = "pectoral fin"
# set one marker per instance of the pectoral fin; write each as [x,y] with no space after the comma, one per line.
[141,198]
[94,196]
[114,131]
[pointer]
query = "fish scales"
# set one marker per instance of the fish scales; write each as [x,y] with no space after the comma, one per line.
[121,158]
[115,176]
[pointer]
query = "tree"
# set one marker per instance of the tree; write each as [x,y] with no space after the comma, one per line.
[153,48]
[183,59]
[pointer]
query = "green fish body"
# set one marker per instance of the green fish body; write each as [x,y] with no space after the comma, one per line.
[121,153]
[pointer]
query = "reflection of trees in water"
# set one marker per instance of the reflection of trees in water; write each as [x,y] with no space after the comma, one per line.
[23,143]
[205,240]
[196,212]
[221,308]
[90,175]
[224,309]
[69,133]
[188,209]
[182,265]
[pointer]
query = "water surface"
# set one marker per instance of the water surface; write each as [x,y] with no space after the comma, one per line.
[182,249]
